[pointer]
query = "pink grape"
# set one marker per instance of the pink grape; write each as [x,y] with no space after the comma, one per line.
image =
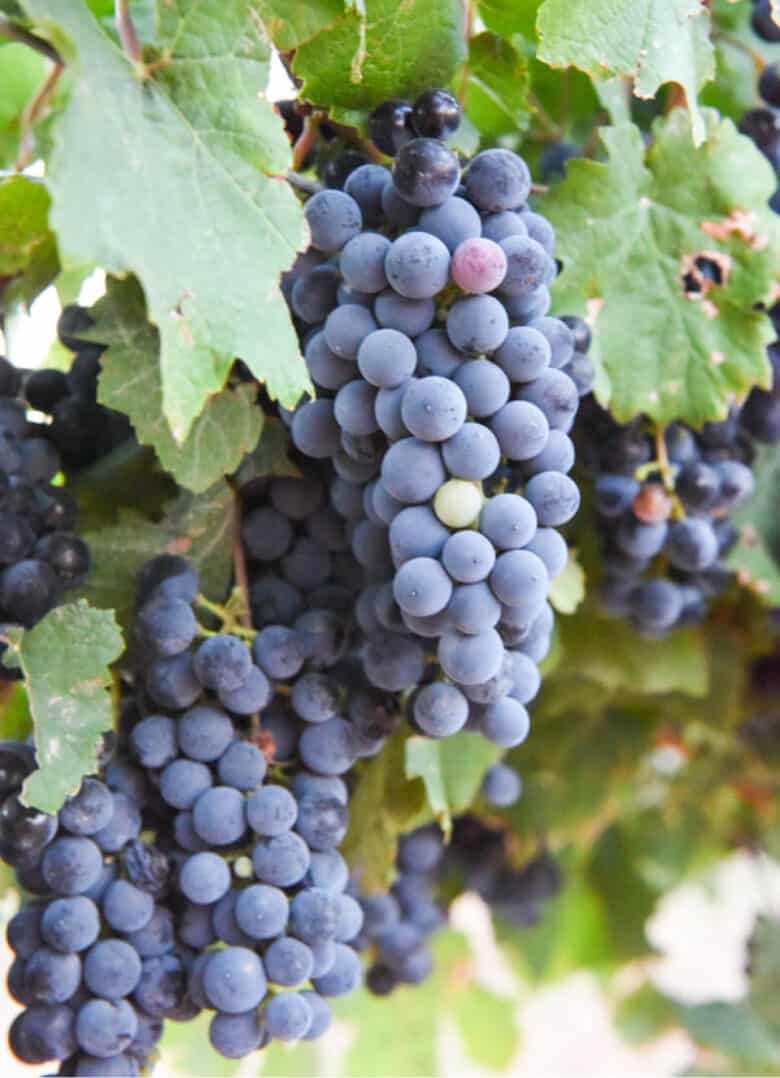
[478,265]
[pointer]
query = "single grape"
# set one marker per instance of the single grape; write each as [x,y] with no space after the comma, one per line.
[501,786]
[470,660]
[425,172]
[477,325]
[333,218]
[484,385]
[386,359]
[417,266]
[478,265]
[457,503]
[497,180]
[472,452]
[453,222]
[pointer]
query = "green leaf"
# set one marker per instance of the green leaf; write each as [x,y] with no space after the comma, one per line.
[644,1014]
[652,41]
[567,590]
[508,17]
[372,1053]
[451,769]
[15,717]
[765,972]
[614,877]
[629,662]
[487,1023]
[65,662]
[272,456]
[187,164]
[496,100]
[392,804]
[755,557]
[731,1028]
[130,382]
[28,253]
[197,526]
[628,230]
[21,73]
[355,55]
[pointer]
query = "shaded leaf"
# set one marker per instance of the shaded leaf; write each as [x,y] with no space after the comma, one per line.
[755,557]
[65,661]
[733,1029]
[496,98]
[130,382]
[372,50]
[28,252]
[652,41]
[392,804]
[451,769]
[197,526]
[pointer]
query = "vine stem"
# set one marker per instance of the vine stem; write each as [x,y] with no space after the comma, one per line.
[662,458]
[10,30]
[32,113]
[126,30]
[305,142]
[468,30]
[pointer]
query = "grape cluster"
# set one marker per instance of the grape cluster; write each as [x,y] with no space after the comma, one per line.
[397,925]
[663,498]
[81,429]
[445,398]
[664,523]
[40,556]
[238,904]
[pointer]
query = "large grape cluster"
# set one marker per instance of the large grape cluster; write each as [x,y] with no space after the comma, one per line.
[238,906]
[442,417]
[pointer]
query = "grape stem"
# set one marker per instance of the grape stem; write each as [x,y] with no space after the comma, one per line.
[32,113]
[126,30]
[10,30]
[306,141]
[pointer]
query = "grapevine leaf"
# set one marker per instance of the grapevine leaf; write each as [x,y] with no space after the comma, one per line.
[497,88]
[507,17]
[384,797]
[188,165]
[65,662]
[15,717]
[755,557]
[28,253]
[644,1014]
[731,1028]
[487,1024]
[271,457]
[652,41]
[21,72]
[614,876]
[451,769]
[358,56]
[229,426]
[197,526]
[765,972]
[567,590]
[290,25]
[665,349]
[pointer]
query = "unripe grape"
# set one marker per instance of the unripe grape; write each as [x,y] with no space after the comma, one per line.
[457,503]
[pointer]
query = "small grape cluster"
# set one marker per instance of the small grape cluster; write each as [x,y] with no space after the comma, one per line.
[81,429]
[40,556]
[762,124]
[422,307]
[398,924]
[663,498]
[479,858]
[663,506]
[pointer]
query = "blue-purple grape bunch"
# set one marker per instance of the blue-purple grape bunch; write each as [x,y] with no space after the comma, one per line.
[41,557]
[445,397]
[238,902]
